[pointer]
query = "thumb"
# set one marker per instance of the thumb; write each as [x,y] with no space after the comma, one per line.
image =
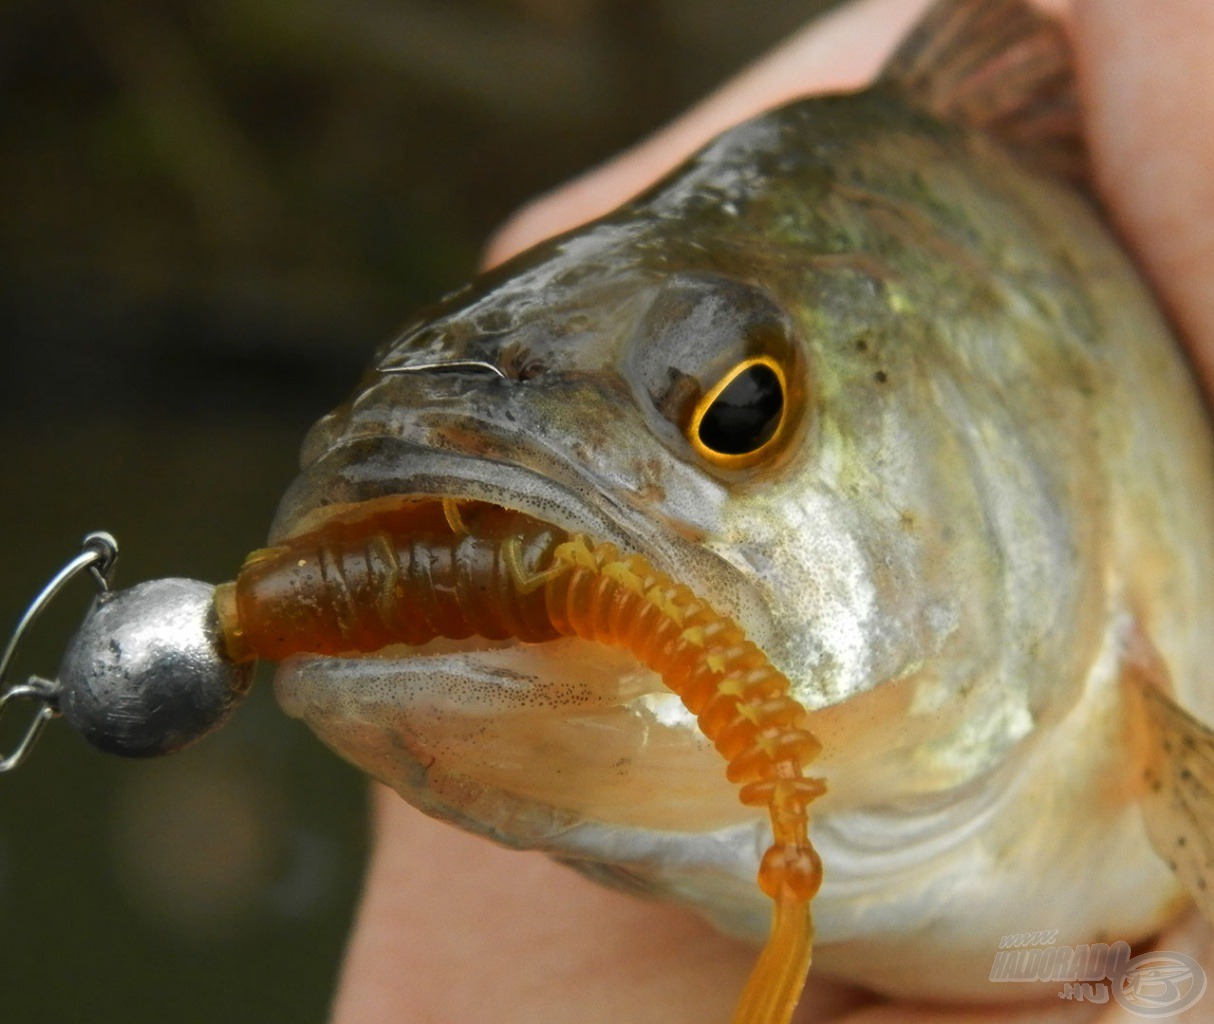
[1149,93]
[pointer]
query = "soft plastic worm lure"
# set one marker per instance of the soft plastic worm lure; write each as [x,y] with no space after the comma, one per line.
[441,569]
[158,665]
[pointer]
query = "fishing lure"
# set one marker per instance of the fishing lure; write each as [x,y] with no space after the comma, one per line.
[418,573]
[155,667]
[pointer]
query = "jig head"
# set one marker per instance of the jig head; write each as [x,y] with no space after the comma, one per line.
[145,674]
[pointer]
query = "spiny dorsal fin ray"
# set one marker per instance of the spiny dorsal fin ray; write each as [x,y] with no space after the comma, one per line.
[1001,66]
[1178,792]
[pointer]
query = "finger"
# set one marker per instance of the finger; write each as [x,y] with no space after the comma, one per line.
[1054,1012]
[1191,935]
[1149,93]
[455,928]
[840,51]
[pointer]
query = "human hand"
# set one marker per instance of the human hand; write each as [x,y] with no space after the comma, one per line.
[453,929]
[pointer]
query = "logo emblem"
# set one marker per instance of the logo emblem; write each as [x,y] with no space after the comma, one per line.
[1159,984]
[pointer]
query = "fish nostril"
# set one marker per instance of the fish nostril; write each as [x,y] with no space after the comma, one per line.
[520,363]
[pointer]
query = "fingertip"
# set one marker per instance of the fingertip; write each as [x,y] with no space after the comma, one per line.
[1149,92]
[453,927]
[837,52]
[590,195]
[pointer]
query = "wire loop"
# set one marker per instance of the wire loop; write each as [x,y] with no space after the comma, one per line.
[98,555]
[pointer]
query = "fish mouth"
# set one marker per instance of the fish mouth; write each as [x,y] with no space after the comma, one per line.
[347,481]
[332,493]
[519,741]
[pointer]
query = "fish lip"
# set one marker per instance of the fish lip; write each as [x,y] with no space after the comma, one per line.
[327,490]
[383,465]
[344,477]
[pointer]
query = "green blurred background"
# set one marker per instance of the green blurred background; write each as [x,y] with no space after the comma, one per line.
[210,212]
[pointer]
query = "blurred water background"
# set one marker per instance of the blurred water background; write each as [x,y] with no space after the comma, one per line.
[210,212]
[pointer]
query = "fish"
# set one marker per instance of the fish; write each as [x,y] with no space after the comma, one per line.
[871,374]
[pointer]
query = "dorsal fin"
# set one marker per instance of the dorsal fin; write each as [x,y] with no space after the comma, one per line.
[1002,66]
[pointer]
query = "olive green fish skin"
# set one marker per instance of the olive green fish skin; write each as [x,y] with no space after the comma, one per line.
[998,472]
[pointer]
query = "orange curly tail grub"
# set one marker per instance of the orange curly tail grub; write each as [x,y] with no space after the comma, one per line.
[441,568]
[742,704]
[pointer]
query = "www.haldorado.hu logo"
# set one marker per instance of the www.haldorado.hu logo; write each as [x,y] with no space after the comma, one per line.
[1158,984]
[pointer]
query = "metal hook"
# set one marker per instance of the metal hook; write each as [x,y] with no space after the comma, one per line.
[98,554]
[448,365]
[40,694]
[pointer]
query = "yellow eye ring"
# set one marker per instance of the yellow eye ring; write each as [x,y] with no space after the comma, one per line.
[706,402]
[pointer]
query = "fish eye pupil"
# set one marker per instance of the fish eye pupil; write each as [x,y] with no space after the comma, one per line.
[744,414]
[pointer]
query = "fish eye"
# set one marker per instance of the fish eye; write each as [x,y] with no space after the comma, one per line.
[717,367]
[741,414]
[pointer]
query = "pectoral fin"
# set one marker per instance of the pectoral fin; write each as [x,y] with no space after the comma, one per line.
[1178,784]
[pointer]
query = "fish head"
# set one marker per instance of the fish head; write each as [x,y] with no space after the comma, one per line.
[742,376]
